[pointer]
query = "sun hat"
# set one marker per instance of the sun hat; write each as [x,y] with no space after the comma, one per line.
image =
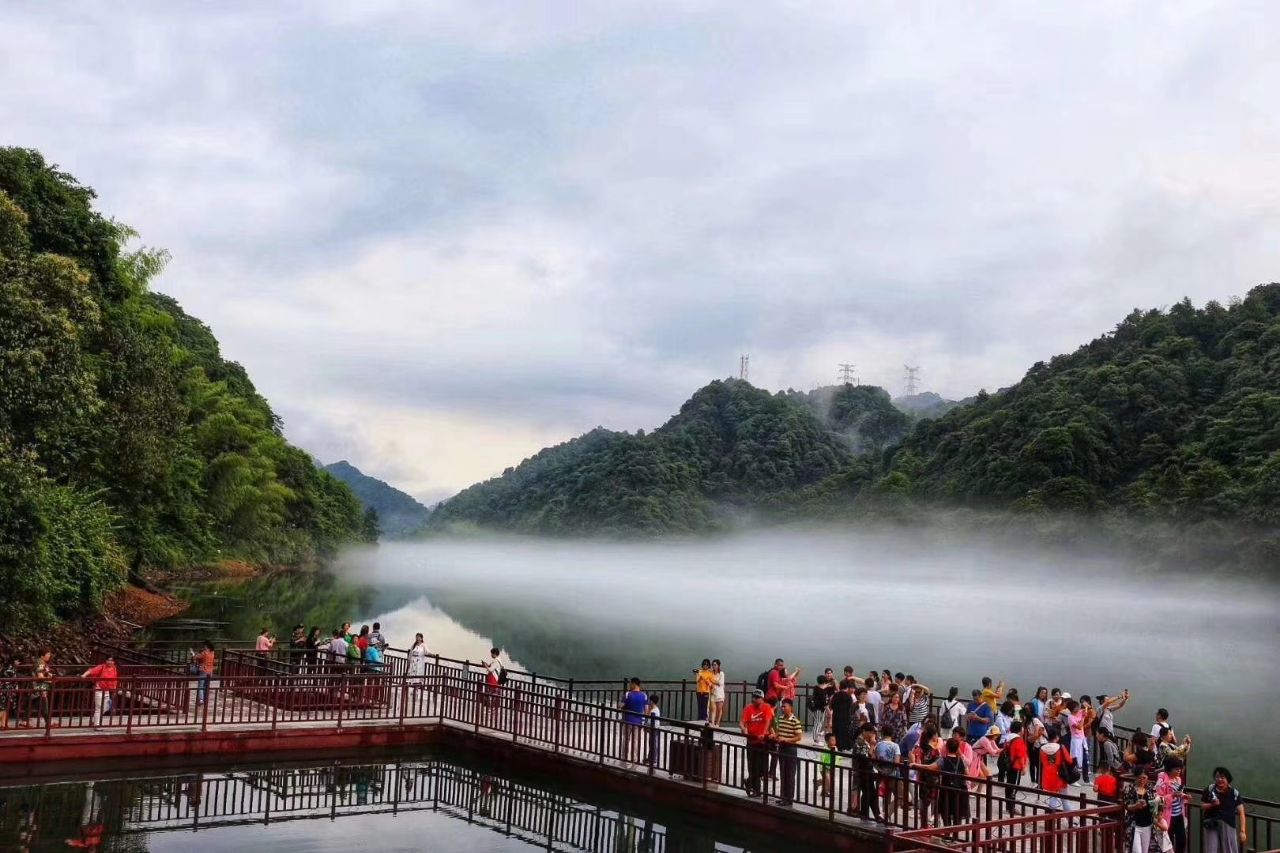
[994,730]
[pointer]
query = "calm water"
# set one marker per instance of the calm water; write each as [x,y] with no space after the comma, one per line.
[947,610]
[414,802]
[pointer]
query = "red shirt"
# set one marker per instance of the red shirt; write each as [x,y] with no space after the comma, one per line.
[1016,749]
[757,720]
[1049,764]
[104,676]
[1108,785]
[780,686]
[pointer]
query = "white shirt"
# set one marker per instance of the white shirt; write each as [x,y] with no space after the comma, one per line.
[494,666]
[418,659]
[717,692]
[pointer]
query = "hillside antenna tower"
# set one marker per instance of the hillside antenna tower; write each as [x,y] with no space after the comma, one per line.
[847,376]
[744,367]
[913,379]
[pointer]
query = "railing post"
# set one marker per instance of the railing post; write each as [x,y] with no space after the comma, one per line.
[48,707]
[204,706]
[515,715]
[339,694]
[128,720]
[600,735]
[555,726]
[275,710]
[404,695]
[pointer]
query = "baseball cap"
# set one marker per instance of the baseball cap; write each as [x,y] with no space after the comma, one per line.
[757,693]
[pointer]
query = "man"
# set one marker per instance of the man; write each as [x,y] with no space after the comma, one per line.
[842,715]
[863,759]
[1108,751]
[757,725]
[1224,818]
[337,648]
[377,638]
[863,709]
[888,756]
[819,701]
[782,685]
[1107,706]
[1162,722]
[788,731]
[978,716]
[873,699]
[104,677]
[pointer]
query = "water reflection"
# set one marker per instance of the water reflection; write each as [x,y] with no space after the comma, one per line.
[430,802]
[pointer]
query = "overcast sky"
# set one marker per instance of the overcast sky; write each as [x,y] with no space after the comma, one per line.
[441,236]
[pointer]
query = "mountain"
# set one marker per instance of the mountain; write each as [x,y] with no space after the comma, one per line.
[1175,413]
[126,440]
[731,448]
[398,514]
[927,404]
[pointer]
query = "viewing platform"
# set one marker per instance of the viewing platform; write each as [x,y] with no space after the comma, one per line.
[264,704]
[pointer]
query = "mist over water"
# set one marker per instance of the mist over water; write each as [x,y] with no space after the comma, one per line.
[947,609]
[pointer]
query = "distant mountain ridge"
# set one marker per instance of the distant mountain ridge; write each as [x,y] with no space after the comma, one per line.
[1173,417]
[399,514]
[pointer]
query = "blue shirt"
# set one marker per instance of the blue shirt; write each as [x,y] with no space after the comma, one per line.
[980,717]
[634,704]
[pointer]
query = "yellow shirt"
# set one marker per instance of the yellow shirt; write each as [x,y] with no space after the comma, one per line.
[706,680]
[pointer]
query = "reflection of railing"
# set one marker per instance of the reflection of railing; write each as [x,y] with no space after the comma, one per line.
[206,801]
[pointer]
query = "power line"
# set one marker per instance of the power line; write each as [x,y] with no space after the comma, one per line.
[913,378]
[744,367]
[847,376]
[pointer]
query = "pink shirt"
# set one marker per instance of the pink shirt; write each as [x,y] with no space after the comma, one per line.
[1076,722]
[264,644]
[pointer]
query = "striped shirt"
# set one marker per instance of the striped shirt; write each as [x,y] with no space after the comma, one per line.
[788,728]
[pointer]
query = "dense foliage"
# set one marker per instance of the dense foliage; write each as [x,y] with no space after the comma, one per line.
[1171,423]
[732,447]
[126,439]
[396,514]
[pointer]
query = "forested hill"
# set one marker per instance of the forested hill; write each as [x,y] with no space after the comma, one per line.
[732,447]
[1174,417]
[1175,414]
[126,440]
[398,514]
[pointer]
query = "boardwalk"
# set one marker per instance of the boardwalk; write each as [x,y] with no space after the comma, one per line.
[569,721]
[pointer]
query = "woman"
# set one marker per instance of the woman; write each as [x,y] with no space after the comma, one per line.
[1034,732]
[42,672]
[952,712]
[983,748]
[924,758]
[1139,812]
[704,685]
[418,656]
[1141,757]
[204,662]
[1040,702]
[717,694]
[315,642]
[894,716]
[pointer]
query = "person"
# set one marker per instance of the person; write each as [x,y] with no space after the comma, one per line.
[1078,722]
[979,716]
[1014,758]
[863,712]
[495,673]
[888,756]
[788,731]
[298,638]
[757,725]
[985,747]
[653,715]
[337,648]
[864,778]
[418,656]
[842,705]
[819,702]
[925,760]
[104,677]
[782,684]
[1162,722]
[953,797]
[1033,731]
[918,700]
[1225,828]
[1004,719]
[377,638]
[1140,807]
[205,662]
[952,715]
[315,643]
[1108,751]
[872,699]
[1039,702]
[705,685]
[1107,784]
[1107,706]
[894,716]
[717,694]
[363,640]
[41,687]
[9,692]
[635,706]
[266,641]
[1141,756]
[373,658]
[1053,780]
[829,756]
[1167,745]
[1169,785]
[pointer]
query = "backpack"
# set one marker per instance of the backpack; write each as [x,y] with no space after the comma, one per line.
[502,676]
[1002,760]
[948,721]
[954,765]
[762,680]
[1067,770]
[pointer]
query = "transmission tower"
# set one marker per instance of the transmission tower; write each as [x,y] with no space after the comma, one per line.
[847,376]
[913,379]
[744,367]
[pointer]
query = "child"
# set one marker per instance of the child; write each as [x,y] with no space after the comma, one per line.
[655,733]
[829,766]
[1107,784]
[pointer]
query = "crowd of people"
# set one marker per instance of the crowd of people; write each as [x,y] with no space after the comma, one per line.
[899,755]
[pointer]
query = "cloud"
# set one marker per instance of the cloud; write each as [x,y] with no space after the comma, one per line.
[442,235]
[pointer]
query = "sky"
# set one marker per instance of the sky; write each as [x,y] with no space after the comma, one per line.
[441,236]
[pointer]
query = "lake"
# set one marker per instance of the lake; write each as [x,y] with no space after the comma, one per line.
[947,609]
